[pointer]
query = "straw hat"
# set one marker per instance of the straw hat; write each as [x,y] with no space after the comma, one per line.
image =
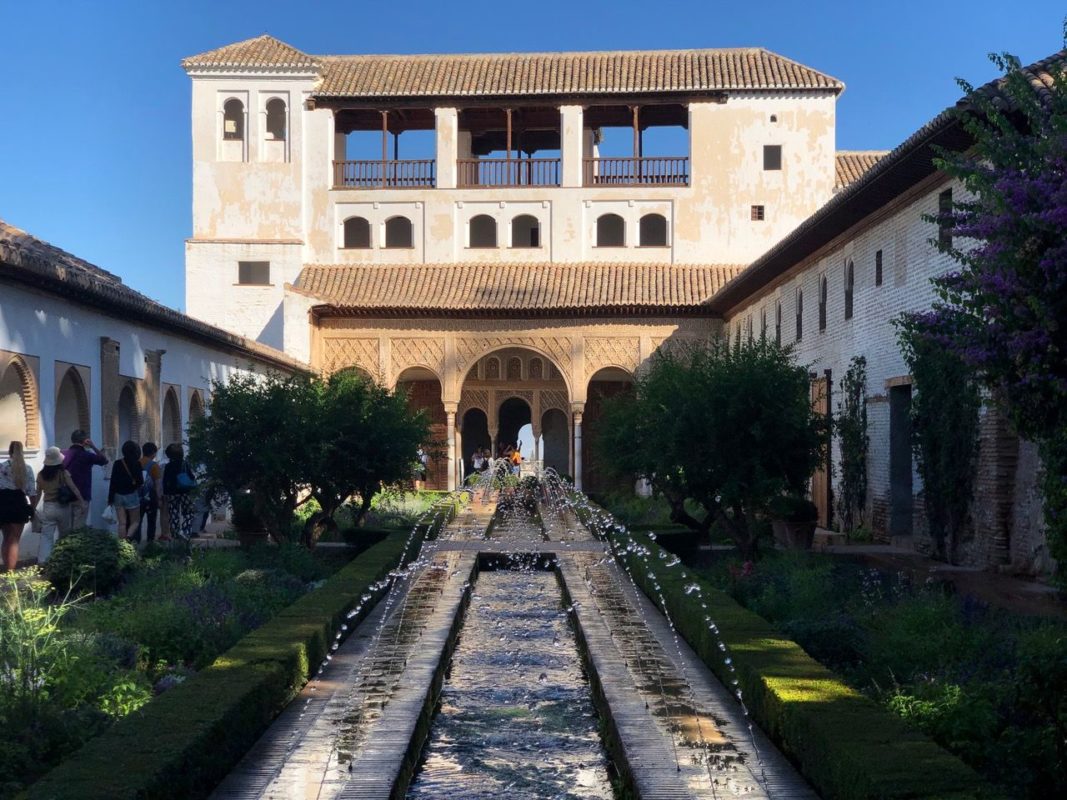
[53,456]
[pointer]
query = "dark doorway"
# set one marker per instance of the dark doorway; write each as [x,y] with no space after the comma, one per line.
[475,429]
[900,471]
[555,441]
[514,413]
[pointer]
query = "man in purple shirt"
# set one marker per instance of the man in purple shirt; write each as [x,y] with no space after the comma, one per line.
[79,460]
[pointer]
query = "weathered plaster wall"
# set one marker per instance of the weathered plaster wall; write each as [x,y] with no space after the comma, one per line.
[1005,501]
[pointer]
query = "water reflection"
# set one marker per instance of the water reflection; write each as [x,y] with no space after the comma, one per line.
[516,717]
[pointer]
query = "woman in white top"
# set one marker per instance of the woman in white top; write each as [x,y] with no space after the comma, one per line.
[17,486]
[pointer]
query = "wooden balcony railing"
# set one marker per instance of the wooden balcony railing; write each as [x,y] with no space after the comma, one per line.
[413,174]
[653,171]
[507,172]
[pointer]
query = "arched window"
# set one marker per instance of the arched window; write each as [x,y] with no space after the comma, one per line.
[850,289]
[233,120]
[398,232]
[18,404]
[72,405]
[652,230]
[196,407]
[129,430]
[763,323]
[357,233]
[610,231]
[525,231]
[482,231]
[276,119]
[172,420]
[536,369]
[778,322]
[800,314]
[514,369]
[492,369]
[822,303]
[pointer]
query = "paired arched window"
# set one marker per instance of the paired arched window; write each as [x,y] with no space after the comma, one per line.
[233,120]
[72,405]
[800,314]
[276,121]
[652,230]
[823,295]
[357,233]
[399,232]
[172,419]
[525,231]
[196,407]
[610,231]
[536,369]
[492,369]
[482,231]
[850,289]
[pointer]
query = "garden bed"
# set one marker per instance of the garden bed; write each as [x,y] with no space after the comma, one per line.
[846,744]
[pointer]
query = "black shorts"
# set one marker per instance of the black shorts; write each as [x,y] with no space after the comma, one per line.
[15,507]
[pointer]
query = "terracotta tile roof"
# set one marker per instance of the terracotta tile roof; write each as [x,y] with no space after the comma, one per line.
[903,167]
[525,74]
[471,288]
[853,163]
[33,262]
[262,52]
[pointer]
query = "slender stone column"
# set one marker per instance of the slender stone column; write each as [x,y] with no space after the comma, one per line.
[578,448]
[450,427]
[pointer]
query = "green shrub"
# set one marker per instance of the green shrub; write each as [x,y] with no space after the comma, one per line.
[90,560]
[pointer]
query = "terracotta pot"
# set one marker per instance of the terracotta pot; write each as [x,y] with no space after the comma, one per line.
[793,535]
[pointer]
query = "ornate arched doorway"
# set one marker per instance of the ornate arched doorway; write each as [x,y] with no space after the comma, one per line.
[423,390]
[513,388]
[604,384]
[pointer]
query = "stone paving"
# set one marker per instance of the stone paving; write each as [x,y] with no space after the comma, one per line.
[351,733]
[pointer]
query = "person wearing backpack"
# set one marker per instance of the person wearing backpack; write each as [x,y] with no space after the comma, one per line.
[60,496]
[153,480]
[178,485]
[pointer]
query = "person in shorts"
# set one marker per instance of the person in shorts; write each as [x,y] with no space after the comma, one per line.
[16,509]
[124,491]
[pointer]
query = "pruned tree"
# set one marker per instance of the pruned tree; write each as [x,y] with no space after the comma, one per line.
[727,428]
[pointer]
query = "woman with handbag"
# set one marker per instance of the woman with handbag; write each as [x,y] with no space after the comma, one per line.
[178,485]
[56,489]
[124,491]
[16,508]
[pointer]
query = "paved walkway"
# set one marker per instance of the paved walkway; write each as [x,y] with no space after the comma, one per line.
[355,731]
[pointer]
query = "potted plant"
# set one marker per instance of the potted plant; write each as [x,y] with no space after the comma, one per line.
[793,520]
[250,529]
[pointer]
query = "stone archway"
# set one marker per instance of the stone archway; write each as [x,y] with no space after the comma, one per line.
[604,384]
[423,389]
[474,435]
[513,386]
[72,405]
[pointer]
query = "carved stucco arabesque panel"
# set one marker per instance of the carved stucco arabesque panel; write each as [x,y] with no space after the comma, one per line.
[339,353]
[410,352]
[470,349]
[611,351]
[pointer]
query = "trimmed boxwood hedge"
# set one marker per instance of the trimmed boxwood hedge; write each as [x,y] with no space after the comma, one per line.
[846,745]
[183,742]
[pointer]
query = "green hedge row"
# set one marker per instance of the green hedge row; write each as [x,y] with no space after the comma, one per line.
[846,745]
[183,742]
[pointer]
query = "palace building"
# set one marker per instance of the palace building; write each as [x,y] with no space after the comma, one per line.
[511,272]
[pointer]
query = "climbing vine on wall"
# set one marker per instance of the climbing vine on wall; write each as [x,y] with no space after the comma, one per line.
[944,418]
[851,425]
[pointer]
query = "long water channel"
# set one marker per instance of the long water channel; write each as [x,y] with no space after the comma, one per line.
[516,716]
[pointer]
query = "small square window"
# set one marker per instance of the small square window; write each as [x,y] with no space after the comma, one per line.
[878,268]
[772,156]
[253,273]
[757,214]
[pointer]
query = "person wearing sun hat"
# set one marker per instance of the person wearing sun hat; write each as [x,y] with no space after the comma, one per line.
[60,496]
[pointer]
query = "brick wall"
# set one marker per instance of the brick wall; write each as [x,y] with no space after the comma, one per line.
[1006,503]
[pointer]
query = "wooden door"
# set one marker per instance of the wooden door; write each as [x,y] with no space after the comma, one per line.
[821,492]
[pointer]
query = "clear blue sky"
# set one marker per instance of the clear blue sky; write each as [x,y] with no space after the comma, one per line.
[95,146]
